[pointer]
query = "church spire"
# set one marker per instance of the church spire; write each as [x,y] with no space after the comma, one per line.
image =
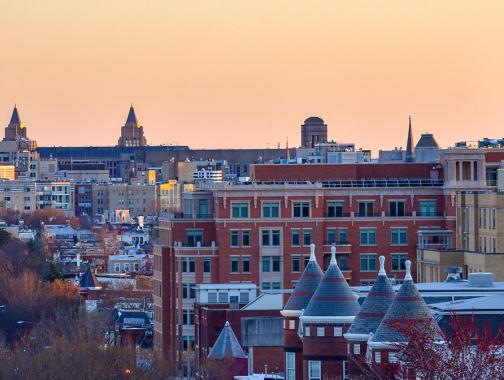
[15,119]
[132,119]
[410,147]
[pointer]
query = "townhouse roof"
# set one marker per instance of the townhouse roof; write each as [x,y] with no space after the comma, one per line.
[375,305]
[307,284]
[333,297]
[88,280]
[227,345]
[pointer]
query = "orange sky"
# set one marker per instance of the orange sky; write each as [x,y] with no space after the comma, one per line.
[247,73]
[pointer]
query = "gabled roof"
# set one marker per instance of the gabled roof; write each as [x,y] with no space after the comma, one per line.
[375,305]
[88,280]
[226,346]
[333,297]
[306,285]
[15,119]
[407,305]
[132,119]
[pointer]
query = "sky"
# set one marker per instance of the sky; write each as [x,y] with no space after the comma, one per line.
[239,73]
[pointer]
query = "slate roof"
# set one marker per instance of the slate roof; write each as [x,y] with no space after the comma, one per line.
[314,120]
[333,297]
[427,140]
[306,285]
[132,117]
[410,147]
[15,119]
[375,305]
[407,305]
[88,280]
[226,346]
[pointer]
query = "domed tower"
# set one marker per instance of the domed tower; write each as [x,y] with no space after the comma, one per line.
[327,317]
[132,133]
[313,131]
[407,307]
[297,302]
[372,312]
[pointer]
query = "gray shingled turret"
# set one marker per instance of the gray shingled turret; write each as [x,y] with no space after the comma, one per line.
[88,280]
[374,307]
[333,297]
[407,305]
[307,284]
[227,346]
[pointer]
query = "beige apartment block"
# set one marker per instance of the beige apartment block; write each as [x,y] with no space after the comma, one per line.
[479,238]
[138,199]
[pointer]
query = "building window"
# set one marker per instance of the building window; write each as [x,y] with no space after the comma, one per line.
[290,365]
[296,264]
[343,262]
[343,236]
[276,263]
[368,236]
[266,264]
[397,208]
[366,208]
[399,236]
[270,209]
[207,265]
[295,242]
[334,209]
[346,373]
[331,236]
[314,372]
[368,263]
[398,262]
[307,331]
[338,331]
[356,349]
[266,286]
[276,286]
[117,267]
[246,264]
[378,357]
[320,331]
[194,237]
[306,260]
[301,209]
[234,264]
[188,265]
[427,208]
[270,238]
[239,210]
[234,238]
[392,357]
[246,238]
[306,237]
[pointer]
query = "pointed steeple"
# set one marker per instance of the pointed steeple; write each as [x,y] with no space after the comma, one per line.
[306,285]
[88,280]
[132,119]
[333,297]
[15,119]
[227,346]
[374,307]
[408,305]
[410,147]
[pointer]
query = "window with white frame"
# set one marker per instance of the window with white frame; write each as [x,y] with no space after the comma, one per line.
[392,357]
[271,209]
[399,262]
[117,267]
[356,349]
[338,331]
[301,209]
[377,357]
[320,331]
[345,374]
[307,331]
[314,370]
[367,236]
[290,365]
[239,210]
[399,236]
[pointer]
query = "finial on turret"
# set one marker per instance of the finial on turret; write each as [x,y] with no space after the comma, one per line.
[312,252]
[382,266]
[408,271]
[333,256]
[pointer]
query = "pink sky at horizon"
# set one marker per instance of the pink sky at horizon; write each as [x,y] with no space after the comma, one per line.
[247,73]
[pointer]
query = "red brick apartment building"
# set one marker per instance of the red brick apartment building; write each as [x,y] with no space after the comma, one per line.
[260,232]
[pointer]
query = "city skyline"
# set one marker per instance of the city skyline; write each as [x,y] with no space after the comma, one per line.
[197,74]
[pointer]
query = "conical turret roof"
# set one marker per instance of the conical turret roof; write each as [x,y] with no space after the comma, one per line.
[226,346]
[333,297]
[306,285]
[375,305]
[15,119]
[132,119]
[407,305]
